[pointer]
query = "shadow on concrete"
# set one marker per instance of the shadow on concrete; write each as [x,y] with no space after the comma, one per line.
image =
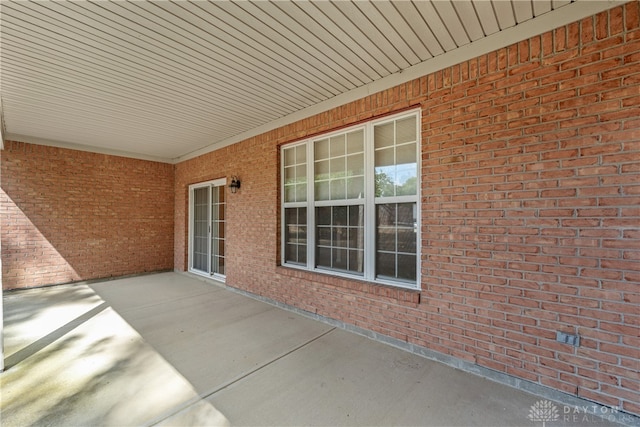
[77,362]
[50,338]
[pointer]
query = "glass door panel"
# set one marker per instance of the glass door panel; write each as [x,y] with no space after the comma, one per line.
[200,229]
[207,228]
[218,230]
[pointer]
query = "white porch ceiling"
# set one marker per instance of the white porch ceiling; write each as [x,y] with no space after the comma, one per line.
[168,80]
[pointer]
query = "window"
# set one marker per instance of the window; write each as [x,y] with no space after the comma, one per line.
[350,202]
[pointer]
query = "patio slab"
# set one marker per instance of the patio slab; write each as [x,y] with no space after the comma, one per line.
[92,369]
[210,335]
[169,349]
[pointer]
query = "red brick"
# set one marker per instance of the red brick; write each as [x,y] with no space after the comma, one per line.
[632,15]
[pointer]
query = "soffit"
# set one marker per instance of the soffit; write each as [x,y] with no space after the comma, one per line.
[169,80]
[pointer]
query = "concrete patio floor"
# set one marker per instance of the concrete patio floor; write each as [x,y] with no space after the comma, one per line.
[169,349]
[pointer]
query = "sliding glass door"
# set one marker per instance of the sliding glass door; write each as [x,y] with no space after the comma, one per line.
[207,205]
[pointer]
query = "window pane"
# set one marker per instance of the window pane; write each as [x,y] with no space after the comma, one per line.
[322,190]
[290,156]
[396,237]
[355,142]
[407,267]
[355,236]
[301,154]
[323,257]
[301,192]
[323,216]
[339,238]
[290,216]
[386,215]
[385,264]
[321,149]
[338,189]
[289,175]
[295,235]
[302,221]
[291,252]
[302,254]
[356,216]
[324,236]
[290,193]
[383,135]
[295,174]
[337,146]
[406,154]
[355,188]
[340,166]
[406,130]
[356,261]
[406,181]
[322,170]
[385,157]
[386,239]
[396,157]
[406,240]
[385,181]
[340,244]
[301,173]
[339,259]
[339,215]
[406,214]
[355,164]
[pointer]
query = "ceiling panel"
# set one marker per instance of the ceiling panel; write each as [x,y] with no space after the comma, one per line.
[167,80]
[505,14]
[434,22]
[469,18]
[452,22]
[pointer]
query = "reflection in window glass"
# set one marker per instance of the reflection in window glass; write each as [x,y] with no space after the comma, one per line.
[340,238]
[396,165]
[295,229]
[396,238]
[295,174]
[217,230]
[339,167]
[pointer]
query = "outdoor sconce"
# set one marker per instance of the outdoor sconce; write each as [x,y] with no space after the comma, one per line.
[235,184]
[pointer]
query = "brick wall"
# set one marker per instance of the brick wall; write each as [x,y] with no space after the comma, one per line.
[530,208]
[531,218]
[72,215]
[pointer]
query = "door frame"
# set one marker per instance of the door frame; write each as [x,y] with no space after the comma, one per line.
[220,182]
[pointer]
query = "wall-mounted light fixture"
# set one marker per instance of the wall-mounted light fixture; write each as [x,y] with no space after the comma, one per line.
[235,184]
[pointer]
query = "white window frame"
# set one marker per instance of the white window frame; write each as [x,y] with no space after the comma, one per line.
[370,203]
[221,182]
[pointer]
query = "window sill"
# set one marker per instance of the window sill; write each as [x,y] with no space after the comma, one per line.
[398,293]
